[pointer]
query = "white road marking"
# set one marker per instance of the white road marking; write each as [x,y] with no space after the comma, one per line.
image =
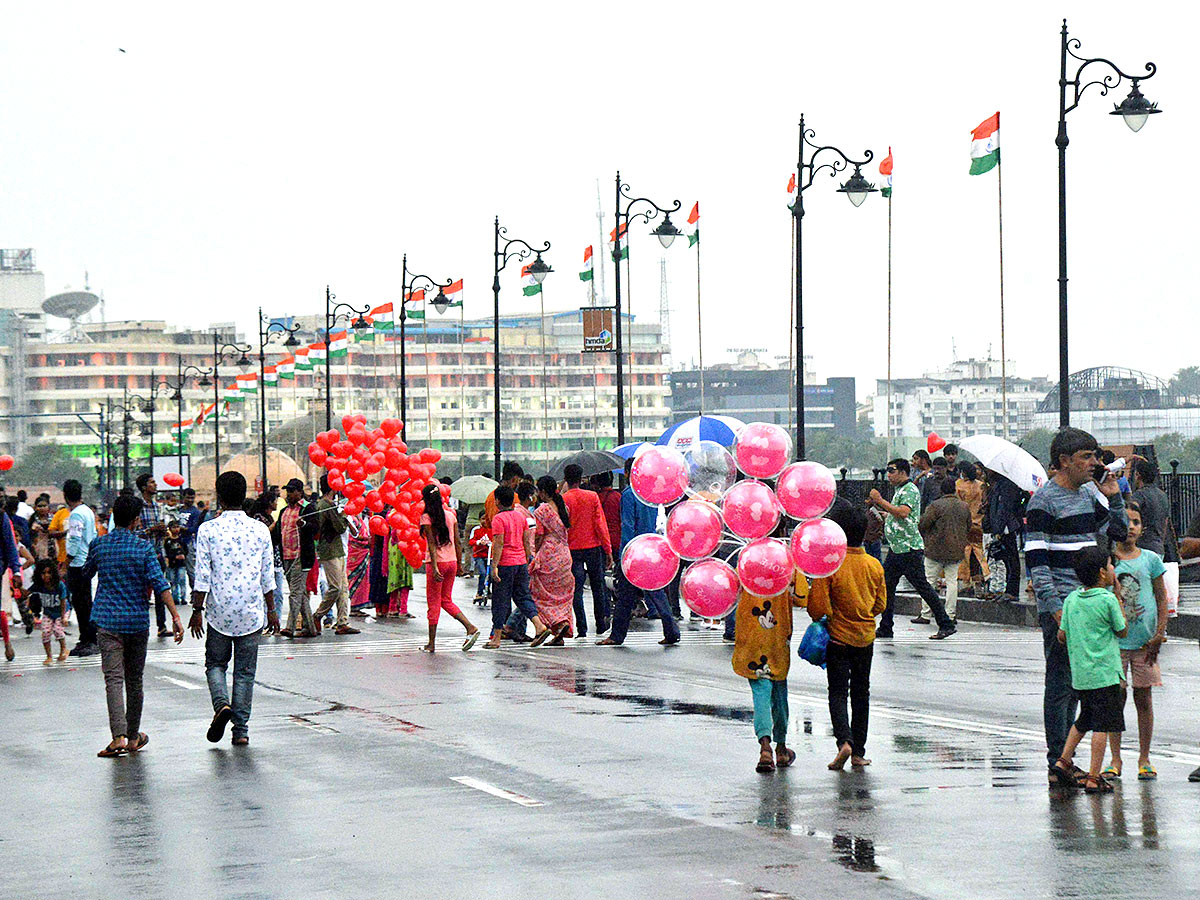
[511,797]
[181,683]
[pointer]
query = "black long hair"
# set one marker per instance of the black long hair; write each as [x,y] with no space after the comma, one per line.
[432,495]
[548,486]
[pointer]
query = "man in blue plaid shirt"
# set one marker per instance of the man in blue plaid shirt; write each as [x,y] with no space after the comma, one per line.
[128,569]
[154,529]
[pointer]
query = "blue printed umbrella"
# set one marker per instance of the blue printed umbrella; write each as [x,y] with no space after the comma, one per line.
[631,450]
[686,435]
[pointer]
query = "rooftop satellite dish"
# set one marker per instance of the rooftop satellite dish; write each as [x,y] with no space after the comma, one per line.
[71,305]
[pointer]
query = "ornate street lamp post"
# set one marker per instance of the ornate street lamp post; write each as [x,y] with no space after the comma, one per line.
[408,286]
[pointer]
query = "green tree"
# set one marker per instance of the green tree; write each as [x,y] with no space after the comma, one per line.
[1037,442]
[862,451]
[1186,381]
[42,465]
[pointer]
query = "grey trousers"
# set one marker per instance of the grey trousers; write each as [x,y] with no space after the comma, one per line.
[300,617]
[123,660]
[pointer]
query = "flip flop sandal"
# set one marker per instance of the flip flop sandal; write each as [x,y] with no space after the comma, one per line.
[142,740]
[1146,773]
[1111,772]
[544,635]
[112,752]
[787,760]
[765,766]
[1063,777]
[470,641]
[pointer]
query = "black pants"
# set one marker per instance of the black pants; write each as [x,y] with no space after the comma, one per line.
[591,562]
[910,565]
[81,601]
[1006,552]
[849,673]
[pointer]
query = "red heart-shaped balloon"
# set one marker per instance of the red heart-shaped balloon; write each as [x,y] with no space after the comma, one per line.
[377,525]
[391,427]
[934,443]
[354,507]
[353,489]
[348,422]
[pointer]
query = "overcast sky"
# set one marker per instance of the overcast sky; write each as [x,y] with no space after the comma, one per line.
[250,153]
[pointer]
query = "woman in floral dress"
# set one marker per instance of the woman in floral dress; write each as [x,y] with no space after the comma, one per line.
[551,580]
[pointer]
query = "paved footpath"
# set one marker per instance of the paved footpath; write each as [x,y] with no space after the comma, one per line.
[583,771]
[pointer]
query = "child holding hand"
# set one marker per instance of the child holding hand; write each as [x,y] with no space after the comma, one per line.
[1092,621]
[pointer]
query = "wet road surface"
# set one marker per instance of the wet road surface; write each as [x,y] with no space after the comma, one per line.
[377,770]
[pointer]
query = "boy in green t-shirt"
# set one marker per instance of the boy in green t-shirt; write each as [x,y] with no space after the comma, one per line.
[1144,598]
[1092,620]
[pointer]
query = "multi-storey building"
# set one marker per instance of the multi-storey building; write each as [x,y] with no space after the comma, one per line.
[966,398]
[554,398]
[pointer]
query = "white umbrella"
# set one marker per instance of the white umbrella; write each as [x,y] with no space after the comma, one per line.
[1014,463]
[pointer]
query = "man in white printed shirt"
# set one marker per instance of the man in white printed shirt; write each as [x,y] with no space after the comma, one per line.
[235,580]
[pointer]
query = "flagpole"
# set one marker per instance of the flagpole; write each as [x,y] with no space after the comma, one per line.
[545,389]
[699,326]
[888,412]
[395,355]
[792,327]
[1003,353]
[428,390]
[462,388]
[629,311]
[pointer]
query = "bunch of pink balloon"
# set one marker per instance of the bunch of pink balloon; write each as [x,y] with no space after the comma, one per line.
[742,515]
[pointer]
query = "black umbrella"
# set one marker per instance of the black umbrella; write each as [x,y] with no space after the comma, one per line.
[591,461]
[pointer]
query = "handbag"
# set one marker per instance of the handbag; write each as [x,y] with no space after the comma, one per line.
[815,640]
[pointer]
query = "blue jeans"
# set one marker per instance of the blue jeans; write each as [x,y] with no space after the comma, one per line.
[770,708]
[177,578]
[1059,699]
[483,571]
[627,597]
[591,560]
[512,588]
[874,548]
[218,648]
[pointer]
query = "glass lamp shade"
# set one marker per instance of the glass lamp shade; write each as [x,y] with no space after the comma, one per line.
[666,232]
[539,270]
[441,302]
[1135,109]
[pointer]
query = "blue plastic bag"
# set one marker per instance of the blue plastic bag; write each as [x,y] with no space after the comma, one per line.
[815,640]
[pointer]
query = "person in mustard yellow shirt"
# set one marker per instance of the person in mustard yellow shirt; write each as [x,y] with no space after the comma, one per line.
[762,654]
[851,597]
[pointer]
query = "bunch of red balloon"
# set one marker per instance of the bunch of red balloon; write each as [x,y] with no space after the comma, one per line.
[373,470]
[741,514]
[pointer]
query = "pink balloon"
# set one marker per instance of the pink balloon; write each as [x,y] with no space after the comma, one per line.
[709,587]
[765,568]
[694,529]
[762,449]
[751,510]
[818,547]
[659,475]
[806,490]
[649,562]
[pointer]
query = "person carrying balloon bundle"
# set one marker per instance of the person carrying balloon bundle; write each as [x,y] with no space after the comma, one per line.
[851,598]
[762,655]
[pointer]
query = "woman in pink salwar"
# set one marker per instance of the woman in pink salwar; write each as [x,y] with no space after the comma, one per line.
[551,580]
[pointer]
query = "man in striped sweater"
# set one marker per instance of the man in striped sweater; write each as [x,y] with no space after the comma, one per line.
[1067,514]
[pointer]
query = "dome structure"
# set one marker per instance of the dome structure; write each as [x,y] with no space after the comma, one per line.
[281,468]
[1114,387]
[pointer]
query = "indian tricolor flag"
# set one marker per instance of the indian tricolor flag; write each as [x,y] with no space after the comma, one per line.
[985,146]
[232,395]
[383,318]
[622,250]
[588,272]
[532,287]
[271,374]
[339,345]
[181,429]
[694,219]
[248,384]
[316,354]
[286,367]
[453,293]
[417,298]
[885,169]
[205,412]
[303,363]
